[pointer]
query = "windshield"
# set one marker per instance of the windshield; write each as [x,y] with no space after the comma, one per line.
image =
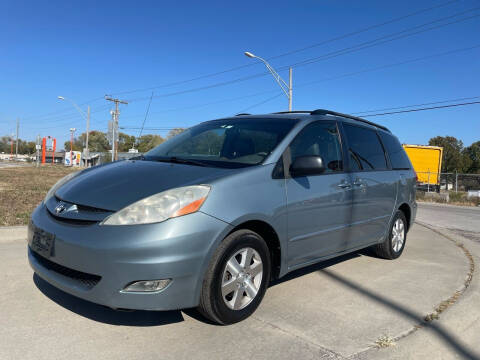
[225,143]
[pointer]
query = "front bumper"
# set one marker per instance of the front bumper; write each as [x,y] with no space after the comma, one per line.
[177,249]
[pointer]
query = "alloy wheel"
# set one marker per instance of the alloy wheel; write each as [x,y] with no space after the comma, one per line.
[242,278]
[398,235]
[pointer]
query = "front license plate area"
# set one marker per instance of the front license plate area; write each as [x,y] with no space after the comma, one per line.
[43,243]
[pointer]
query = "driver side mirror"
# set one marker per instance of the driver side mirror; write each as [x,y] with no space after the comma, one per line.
[307,165]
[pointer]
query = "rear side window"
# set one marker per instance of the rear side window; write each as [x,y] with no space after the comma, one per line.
[320,138]
[398,157]
[365,150]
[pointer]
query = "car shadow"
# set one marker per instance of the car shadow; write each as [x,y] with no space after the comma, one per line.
[449,338]
[319,266]
[104,314]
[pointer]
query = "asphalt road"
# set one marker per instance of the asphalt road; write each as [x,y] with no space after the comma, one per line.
[333,310]
[459,219]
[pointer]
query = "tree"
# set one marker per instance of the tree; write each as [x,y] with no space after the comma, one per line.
[175,132]
[454,158]
[97,142]
[125,142]
[473,154]
[24,147]
[148,142]
[76,146]
[5,144]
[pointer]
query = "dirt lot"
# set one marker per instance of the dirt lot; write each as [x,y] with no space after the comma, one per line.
[23,188]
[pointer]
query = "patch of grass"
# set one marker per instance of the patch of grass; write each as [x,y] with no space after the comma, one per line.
[23,188]
[454,198]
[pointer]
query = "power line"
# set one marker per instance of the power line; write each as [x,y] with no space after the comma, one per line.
[371,115]
[336,38]
[324,80]
[36,117]
[327,56]
[146,114]
[376,69]
[148,128]
[206,104]
[381,67]
[330,55]
[298,86]
[408,106]
[260,103]
[385,39]
[423,109]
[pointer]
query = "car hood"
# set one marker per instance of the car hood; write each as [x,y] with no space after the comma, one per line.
[116,185]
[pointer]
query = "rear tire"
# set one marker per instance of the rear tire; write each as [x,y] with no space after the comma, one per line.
[394,243]
[236,279]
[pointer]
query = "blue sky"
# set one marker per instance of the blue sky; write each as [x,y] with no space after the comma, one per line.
[84,50]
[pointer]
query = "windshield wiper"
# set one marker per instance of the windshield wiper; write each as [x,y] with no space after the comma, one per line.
[176,160]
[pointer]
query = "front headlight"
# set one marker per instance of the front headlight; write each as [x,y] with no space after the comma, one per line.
[162,206]
[59,183]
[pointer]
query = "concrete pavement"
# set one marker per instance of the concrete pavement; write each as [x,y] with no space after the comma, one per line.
[337,309]
[463,220]
[462,320]
[11,233]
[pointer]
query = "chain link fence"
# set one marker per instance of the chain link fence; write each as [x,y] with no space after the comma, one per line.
[449,187]
[436,182]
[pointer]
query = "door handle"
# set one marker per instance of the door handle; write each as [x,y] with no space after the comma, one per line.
[344,185]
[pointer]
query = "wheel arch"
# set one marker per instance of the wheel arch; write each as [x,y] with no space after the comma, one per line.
[407,211]
[268,233]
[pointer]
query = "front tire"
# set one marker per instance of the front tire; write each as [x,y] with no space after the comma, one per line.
[394,242]
[237,278]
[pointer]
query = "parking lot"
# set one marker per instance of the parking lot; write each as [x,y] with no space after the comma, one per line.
[342,308]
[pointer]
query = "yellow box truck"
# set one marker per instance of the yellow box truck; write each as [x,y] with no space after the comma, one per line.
[427,163]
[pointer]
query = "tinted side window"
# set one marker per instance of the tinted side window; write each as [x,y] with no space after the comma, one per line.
[319,138]
[398,157]
[365,150]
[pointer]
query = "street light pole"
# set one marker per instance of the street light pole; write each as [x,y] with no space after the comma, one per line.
[290,89]
[87,118]
[286,88]
[72,130]
[16,141]
[87,151]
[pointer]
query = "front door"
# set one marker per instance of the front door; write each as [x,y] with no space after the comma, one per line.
[319,206]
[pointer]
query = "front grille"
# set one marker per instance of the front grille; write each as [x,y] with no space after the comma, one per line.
[85,208]
[71,221]
[85,280]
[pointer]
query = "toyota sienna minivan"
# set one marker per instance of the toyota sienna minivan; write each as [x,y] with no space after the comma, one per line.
[208,218]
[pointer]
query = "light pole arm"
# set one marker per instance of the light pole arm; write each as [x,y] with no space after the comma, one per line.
[78,108]
[283,85]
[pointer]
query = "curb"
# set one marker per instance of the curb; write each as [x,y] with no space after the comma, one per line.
[13,233]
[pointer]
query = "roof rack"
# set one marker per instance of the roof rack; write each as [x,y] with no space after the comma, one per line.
[242,114]
[293,112]
[334,113]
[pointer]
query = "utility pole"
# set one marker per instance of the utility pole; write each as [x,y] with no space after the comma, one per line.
[86,151]
[37,146]
[111,129]
[115,115]
[16,144]
[72,131]
[11,147]
[290,89]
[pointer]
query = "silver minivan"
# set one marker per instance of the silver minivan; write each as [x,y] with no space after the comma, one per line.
[208,218]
